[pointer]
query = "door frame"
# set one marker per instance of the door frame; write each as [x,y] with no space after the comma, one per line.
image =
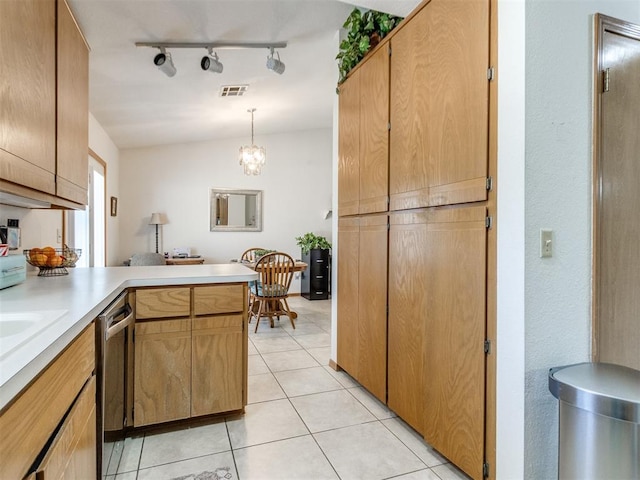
[602,24]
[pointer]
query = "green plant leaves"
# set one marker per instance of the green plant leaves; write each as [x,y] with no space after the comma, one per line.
[310,241]
[360,27]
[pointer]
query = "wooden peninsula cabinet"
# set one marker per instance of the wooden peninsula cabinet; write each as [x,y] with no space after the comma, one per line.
[190,352]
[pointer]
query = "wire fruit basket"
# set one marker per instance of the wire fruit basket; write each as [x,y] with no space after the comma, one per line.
[53,262]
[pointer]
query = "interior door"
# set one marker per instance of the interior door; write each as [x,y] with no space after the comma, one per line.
[617,196]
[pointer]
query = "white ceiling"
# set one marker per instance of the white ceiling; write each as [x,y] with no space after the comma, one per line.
[140,106]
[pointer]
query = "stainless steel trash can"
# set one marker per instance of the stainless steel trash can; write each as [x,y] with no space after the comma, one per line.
[599,421]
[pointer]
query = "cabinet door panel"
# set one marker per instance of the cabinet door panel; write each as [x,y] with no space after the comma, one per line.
[374,133]
[162,390]
[349,146]
[408,171]
[457,136]
[347,324]
[455,322]
[407,309]
[73,106]
[27,93]
[163,302]
[215,299]
[372,305]
[217,368]
[73,452]
[439,106]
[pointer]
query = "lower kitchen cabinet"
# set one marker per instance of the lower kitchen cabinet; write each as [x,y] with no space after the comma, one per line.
[437,322]
[54,418]
[72,454]
[362,308]
[217,368]
[193,365]
[162,373]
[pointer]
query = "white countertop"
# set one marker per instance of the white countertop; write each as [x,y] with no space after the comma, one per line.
[83,294]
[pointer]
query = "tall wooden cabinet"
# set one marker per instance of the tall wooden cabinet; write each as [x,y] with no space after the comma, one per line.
[45,104]
[412,300]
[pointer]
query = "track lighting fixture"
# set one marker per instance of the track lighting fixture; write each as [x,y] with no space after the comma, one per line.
[275,65]
[164,63]
[211,63]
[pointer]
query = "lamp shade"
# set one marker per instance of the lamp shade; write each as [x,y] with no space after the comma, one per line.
[156,219]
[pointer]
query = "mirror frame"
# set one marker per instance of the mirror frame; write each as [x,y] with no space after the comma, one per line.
[234,228]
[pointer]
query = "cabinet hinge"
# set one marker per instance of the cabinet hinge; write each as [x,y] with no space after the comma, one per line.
[487,346]
[388,226]
[605,80]
[389,47]
[489,183]
[389,126]
[485,470]
[491,73]
[488,222]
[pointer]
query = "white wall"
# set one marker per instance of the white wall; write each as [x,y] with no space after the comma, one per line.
[559,57]
[104,147]
[175,180]
[38,228]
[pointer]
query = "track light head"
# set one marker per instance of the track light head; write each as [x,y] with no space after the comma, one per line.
[211,63]
[164,63]
[274,64]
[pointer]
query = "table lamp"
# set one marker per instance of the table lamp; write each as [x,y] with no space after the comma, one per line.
[156,219]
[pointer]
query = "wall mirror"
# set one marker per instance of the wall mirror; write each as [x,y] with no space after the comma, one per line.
[235,210]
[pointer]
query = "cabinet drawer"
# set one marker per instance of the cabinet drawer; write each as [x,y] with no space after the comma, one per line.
[161,327]
[218,299]
[219,324]
[73,452]
[35,414]
[163,302]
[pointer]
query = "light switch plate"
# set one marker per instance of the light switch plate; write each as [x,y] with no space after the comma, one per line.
[546,243]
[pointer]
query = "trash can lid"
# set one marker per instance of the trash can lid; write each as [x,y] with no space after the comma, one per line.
[602,388]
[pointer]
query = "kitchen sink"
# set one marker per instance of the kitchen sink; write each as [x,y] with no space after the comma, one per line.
[18,327]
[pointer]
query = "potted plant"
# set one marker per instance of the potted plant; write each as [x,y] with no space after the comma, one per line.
[310,241]
[364,31]
[315,284]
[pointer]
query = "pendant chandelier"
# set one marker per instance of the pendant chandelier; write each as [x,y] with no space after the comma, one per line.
[252,157]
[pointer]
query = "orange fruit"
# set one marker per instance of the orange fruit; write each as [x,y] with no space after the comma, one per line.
[54,261]
[49,251]
[39,260]
[33,252]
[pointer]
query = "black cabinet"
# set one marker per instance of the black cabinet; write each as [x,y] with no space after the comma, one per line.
[316,279]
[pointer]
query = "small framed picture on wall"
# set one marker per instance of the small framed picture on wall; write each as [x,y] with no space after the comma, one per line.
[114,206]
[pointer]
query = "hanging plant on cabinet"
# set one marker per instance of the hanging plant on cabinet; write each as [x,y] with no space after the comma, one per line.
[364,32]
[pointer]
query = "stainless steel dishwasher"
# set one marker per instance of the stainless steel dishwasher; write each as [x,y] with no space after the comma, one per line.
[114,330]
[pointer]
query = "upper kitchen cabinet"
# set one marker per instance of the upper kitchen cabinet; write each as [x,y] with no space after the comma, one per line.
[349,146]
[439,106]
[363,178]
[73,109]
[28,93]
[374,133]
[44,98]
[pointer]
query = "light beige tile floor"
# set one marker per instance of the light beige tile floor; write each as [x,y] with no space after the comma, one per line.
[303,421]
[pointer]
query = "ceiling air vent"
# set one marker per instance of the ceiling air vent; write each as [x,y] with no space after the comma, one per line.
[233,90]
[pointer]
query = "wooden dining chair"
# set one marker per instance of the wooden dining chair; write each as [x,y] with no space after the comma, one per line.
[269,294]
[249,256]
